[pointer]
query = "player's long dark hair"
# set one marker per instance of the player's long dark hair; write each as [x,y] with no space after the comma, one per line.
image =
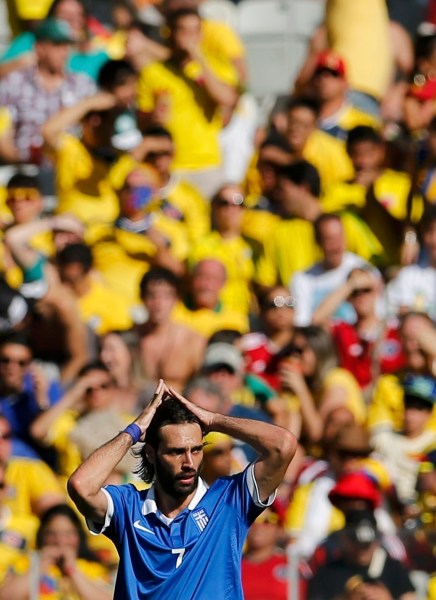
[170,412]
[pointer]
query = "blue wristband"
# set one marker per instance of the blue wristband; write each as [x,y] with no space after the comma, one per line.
[134,431]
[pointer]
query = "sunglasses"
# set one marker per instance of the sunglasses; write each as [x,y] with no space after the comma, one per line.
[6,360]
[95,388]
[280,302]
[326,71]
[154,155]
[26,194]
[360,292]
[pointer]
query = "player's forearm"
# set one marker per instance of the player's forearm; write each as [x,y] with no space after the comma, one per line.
[88,479]
[271,441]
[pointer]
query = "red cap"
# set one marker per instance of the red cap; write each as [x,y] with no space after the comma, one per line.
[331,61]
[356,485]
[423,89]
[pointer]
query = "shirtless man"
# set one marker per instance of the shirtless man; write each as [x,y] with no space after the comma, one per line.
[169,350]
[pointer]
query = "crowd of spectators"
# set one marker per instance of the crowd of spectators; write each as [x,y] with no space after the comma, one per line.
[154,226]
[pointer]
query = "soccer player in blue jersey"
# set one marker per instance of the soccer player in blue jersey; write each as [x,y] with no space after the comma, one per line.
[179,539]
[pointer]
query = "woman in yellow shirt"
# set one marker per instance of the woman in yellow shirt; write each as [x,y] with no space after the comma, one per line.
[63,567]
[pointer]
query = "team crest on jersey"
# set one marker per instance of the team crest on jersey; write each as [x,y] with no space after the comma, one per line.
[201,519]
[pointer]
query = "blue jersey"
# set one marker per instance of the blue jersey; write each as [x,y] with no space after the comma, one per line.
[195,556]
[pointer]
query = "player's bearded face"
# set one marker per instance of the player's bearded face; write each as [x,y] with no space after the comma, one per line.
[177,484]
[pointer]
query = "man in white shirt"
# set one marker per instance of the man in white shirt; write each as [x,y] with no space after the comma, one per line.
[310,287]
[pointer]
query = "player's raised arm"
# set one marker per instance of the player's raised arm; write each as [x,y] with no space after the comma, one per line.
[84,485]
[275,445]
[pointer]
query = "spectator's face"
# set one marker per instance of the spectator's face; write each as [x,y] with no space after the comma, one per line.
[73,275]
[178,458]
[205,400]
[430,241]
[3,487]
[126,92]
[207,282]
[217,461]
[329,85]
[416,358]
[138,192]
[303,353]
[301,123]
[114,354]
[14,362]
[162,158]
[416,417]
[25,204]
[332,242]
[278,310]
[366,156]
[99,394]
[227,211]
[226,379]
[159,300]
[363,299]
[265,531]
[60,532]
[72,13]
[53,56]
[186,33]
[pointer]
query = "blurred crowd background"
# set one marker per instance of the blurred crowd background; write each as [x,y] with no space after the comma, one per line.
[239,198]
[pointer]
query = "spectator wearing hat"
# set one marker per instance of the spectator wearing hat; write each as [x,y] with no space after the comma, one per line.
[401,451]
[310,516]
[85,56]
[35,93]
[336,114]
[364,569]
[359,491]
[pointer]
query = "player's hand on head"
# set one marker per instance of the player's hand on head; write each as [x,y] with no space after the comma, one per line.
[204,416]
[144,419]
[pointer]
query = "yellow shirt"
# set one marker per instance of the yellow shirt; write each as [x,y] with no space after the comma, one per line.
[28,480]
[103,309]
[192,117]
[52,586]
[237,257]
[329,156]
[387,406]
[348,118]
[220,41]
[359,32]
[17,535]
[391,190]
[207,322]
[34,10]
[355,402]
[83,184]
[193,209]
[290,247]
[258,224]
